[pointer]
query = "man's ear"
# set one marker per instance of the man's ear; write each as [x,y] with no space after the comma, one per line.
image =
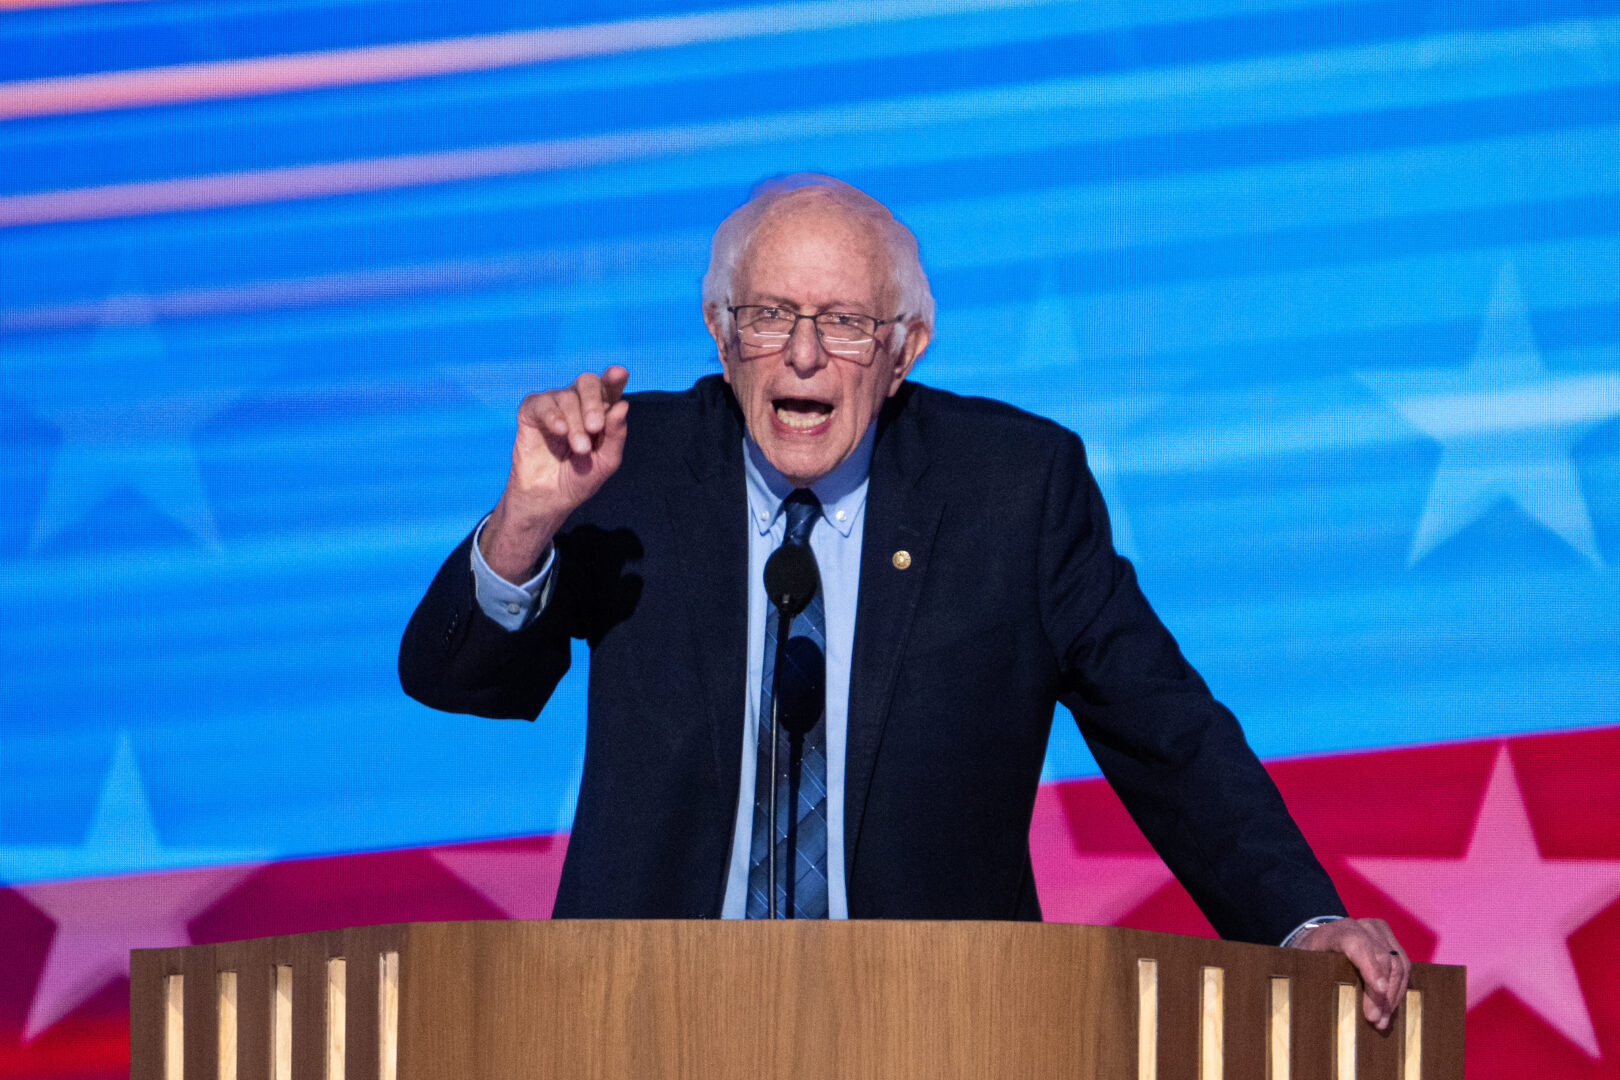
[918,334]
[714,318]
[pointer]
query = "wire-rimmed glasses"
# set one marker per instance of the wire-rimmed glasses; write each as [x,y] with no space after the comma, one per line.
[845,334]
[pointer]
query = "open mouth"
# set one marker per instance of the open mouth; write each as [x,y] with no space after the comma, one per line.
[801,414]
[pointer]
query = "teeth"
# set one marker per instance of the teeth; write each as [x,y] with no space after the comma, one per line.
[795,418]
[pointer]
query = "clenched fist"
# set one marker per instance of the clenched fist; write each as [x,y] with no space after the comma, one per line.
[569,441]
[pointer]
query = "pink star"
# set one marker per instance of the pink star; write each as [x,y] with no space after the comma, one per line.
[1505,911]
[521,882]
[1085,887]
[98,920]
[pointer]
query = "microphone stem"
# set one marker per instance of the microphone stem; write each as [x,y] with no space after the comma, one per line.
[794,765]
[784,625]
[775,682]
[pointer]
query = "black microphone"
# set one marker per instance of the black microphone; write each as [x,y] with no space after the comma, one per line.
[791,579]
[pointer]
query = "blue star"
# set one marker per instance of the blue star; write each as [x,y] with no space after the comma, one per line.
[126,422]
[122,838]
[1050,356]
[1506,427]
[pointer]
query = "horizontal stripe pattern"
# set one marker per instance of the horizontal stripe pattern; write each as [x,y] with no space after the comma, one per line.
[267,305]
[1067,112]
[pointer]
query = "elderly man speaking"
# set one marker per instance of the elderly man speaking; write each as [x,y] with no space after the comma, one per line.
[865,738]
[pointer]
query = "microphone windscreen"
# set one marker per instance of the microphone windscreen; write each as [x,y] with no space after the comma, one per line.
[791,578]
[801,692]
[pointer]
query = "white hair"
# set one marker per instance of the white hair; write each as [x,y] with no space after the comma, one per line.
[731,240]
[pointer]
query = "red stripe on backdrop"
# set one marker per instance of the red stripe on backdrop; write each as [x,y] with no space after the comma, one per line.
[315,181]
[92,1047]
[215,79]
[394,61]
[19,4]
[1501,854]
[64,992]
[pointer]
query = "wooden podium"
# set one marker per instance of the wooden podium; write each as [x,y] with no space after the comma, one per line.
[631,1000]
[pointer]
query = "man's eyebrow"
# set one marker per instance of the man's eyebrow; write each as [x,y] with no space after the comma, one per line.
[770,300]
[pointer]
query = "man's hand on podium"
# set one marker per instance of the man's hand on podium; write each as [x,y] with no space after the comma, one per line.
[1371,946]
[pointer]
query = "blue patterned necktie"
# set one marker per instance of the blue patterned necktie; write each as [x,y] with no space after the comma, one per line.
[801,834]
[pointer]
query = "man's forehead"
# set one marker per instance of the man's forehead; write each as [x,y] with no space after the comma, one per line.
[819,208]
[812,235]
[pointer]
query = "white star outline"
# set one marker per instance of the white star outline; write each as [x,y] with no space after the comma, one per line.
[587,339]
[1101,417]
[1506,427]
[1080,886]
[522,884]
[120,427]
[125,905]
[1505,910]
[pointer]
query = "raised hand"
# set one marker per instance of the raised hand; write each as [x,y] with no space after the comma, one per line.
[569,441]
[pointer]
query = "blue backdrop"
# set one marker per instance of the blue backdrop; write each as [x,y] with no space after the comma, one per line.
[1332,291]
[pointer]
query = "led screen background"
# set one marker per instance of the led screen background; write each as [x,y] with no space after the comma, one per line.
[1331,291]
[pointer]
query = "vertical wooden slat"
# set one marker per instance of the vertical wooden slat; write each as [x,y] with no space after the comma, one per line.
[1212,1024]
[309,954]
[1412,1040]
[1277,1045]
[1378,1053]
[255,987]
[255,993]
[1344,1028]
[1180,991]
[1313,1007]
[336,1016]
[1247,997]
[388,1016]
[1445,1003]
[226,1012]
[201,1012]
[146,970]
[174,1027]
[281,1024]
[361,945]
[1147,1020]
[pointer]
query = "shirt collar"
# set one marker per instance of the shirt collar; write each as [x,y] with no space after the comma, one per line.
[841,491]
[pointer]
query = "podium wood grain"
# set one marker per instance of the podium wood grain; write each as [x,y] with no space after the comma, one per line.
[591,999]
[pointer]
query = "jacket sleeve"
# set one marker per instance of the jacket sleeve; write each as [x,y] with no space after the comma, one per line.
[456,658]
[1176,757]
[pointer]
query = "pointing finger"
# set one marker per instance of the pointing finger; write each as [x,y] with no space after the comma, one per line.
[613,382]
[610,448]
[592,408]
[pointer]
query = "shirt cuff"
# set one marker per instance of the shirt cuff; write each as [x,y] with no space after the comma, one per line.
[510,606]
[1309,924]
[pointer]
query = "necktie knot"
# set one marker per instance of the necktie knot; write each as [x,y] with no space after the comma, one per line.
[802,508]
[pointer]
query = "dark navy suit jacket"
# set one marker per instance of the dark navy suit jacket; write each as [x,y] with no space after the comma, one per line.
[1013,601]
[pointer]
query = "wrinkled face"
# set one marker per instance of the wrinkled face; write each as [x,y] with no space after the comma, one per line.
[806,408]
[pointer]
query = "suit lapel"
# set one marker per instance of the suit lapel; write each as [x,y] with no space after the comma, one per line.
[707,519]
[901,515]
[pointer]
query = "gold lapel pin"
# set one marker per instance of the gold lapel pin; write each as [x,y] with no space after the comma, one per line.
[902,559]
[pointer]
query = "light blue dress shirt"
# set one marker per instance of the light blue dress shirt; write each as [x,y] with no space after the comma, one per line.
[835,539]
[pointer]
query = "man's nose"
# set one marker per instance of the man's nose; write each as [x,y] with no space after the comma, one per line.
[804,351]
